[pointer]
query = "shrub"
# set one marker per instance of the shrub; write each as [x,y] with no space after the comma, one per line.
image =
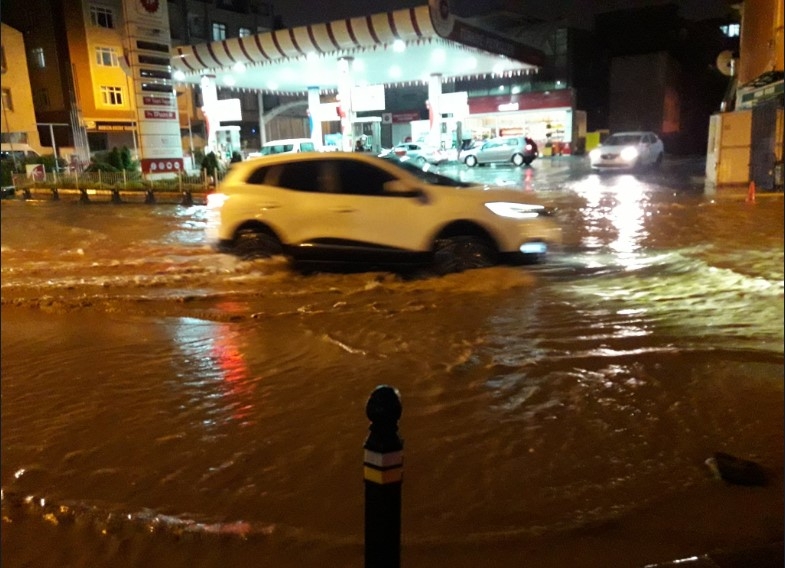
[101,167]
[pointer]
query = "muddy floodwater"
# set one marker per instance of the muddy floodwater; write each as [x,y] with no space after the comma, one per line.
[167,406]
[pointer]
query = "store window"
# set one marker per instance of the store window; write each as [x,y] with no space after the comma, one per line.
[102,16]
[37,59]
[112,96]
[219,31]
[244,32]
[106,56]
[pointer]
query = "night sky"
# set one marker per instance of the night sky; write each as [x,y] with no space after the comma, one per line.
[301,12]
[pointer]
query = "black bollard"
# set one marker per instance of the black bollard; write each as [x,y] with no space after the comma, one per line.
[383,473]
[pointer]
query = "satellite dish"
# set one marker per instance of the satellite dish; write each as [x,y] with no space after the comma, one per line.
[726,62]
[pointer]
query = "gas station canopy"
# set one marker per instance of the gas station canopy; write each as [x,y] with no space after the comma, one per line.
[397,48]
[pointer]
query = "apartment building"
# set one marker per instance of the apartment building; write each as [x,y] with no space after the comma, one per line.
[78,78]
[18,120]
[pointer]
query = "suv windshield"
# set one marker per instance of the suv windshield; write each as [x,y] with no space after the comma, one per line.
[622,139]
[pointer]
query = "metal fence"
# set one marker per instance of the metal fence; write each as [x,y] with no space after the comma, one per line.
[120,181]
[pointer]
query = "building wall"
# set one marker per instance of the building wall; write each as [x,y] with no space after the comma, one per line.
[761,42]
[644,93]
[20,118]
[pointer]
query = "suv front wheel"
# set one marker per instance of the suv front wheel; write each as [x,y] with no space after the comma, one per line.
[470,161]
[456,254]
[255,243]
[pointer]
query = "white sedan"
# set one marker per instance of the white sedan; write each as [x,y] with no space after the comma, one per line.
[628,151]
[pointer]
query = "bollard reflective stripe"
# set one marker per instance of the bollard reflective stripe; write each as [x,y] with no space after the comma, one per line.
[383,468]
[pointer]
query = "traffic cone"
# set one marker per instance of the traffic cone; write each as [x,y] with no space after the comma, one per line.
[751,193]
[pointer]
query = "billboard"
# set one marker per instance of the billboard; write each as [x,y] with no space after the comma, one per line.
[147,47]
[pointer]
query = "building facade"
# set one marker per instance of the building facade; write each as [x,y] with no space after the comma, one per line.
[18,120]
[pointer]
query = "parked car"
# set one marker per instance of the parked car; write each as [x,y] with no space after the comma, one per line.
[628,151]
[417,153]
[517,150]
[287,146]
[345,207]
[19,152]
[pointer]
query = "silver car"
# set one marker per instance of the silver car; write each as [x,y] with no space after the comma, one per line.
[628,151]
[517,150]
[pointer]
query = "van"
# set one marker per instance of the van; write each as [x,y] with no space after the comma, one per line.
[287,146]
[17,152]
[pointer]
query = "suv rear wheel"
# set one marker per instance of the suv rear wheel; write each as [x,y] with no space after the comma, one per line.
[517,159]
[456,254]
[470,161]
[255,243]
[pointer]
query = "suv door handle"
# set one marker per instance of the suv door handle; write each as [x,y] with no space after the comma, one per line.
[343,209]
[270,205]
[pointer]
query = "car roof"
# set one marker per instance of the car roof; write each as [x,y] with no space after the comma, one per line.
[244,168]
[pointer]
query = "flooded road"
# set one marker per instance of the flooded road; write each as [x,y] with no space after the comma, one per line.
[166,406]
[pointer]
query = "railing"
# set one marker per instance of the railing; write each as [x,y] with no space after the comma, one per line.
[114,183]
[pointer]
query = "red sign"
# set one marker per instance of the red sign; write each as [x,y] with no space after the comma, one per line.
[150,5]
[160,114]
[162,165]
[157,101]
[404,117]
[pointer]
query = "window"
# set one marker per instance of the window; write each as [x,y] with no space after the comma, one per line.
[219,31]
[106,56]
[41,99]
[112,96]
[101,16]
[37,59]
[243,32]
[8,104]
[361,179]
[731,30]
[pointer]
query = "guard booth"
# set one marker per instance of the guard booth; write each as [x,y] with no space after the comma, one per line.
[368,129]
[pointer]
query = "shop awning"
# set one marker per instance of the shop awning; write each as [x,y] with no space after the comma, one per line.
[394,48]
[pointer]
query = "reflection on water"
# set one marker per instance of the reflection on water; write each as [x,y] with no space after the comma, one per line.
[163,405]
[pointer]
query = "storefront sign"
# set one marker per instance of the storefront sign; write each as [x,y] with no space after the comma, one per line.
[524,101]
[113,126]
[156,101]
[405,117]
[160,114]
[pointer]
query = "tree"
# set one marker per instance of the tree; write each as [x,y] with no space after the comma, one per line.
[115,160]
[125,159]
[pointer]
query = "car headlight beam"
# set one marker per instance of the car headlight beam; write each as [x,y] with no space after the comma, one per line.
[516,210]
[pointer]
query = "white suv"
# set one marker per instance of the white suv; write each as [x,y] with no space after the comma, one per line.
[354,208]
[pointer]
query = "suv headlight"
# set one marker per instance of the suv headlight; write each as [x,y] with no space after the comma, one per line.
[216,200]
[516,210]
